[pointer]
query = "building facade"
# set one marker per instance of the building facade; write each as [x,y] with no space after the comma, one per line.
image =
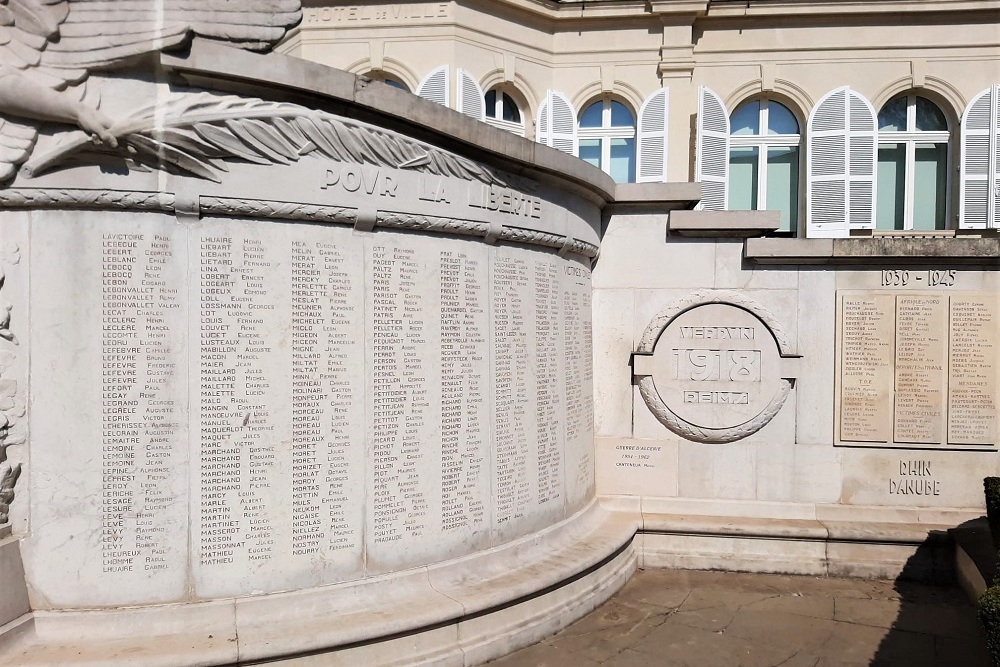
[845,117]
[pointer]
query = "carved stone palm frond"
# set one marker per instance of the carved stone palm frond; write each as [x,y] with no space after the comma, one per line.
[48,46]
[197,133]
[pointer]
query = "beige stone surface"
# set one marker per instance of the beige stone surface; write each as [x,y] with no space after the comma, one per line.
[637,467]
[712,619]
[613,346]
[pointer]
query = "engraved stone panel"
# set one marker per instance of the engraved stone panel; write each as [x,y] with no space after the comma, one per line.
[865,371]
[972,387]
[265,406]
[917,368]
[715,372]
[109,451]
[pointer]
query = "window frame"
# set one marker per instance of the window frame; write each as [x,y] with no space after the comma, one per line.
[763,143]
[910,137]
[498,107]
[607,132]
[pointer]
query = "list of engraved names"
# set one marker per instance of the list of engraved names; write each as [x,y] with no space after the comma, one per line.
[918,369]
[140,415]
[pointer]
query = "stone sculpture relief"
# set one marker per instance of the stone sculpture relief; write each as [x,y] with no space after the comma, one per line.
[48,48]
[194,133]
[12,406]
[721,377]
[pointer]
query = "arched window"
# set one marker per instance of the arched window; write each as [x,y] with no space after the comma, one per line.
[607,139]
[764,160]
[912,184]
[389,79]
[503,112]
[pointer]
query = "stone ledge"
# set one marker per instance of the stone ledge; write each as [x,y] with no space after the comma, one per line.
[213,65]
[488,604]
[797,546]
[730,224]
[975,557]
[654,197]
[879,251]
[882,532]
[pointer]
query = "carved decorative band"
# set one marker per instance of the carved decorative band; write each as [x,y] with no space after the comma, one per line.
[73,198]
[259,208]
[431,223]
[277,210]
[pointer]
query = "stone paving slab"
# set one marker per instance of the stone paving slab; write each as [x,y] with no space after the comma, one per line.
[683,618]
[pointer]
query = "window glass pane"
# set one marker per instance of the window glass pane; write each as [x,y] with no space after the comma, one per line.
[491,104]
[780,120]
[623,160]
[929,186]
[590,151]
[510,110]
[783,185]
[891,186]
[621,116]
[929,117]
[396,84]
[746,119]
[892,117]
[743,179]
[591,116]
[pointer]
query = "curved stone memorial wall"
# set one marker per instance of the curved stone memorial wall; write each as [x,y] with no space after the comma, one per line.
[280,381]
[243,407]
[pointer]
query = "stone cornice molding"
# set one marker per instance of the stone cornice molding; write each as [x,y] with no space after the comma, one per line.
[166,202]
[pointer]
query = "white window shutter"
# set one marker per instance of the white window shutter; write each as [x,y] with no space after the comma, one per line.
[471,100]
[557,123]
[652,146]
[711,162]
[434,87]
[840,165]
[980,173]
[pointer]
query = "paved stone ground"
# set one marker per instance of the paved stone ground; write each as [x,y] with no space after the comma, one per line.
[671,618]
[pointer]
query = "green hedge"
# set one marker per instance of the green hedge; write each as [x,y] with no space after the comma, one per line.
[991,485]
[989,616]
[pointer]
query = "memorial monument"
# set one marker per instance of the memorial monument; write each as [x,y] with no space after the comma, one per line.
[297,367]
[284,372]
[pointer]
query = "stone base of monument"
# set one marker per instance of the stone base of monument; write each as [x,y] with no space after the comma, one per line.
[788,538]
[975,557]
[462,612]
[13,592]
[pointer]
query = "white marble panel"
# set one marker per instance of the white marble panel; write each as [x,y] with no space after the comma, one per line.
[635,252]
[429,446]
[636,467]
[276,317]
[716,471]
[578,379]
[814,389]
[613,347]
[109,447]
[731,273]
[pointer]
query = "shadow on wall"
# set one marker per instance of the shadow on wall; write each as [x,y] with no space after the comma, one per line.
[936,625]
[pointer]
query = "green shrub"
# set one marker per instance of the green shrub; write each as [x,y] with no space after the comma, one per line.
[989,616]
[991,485]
